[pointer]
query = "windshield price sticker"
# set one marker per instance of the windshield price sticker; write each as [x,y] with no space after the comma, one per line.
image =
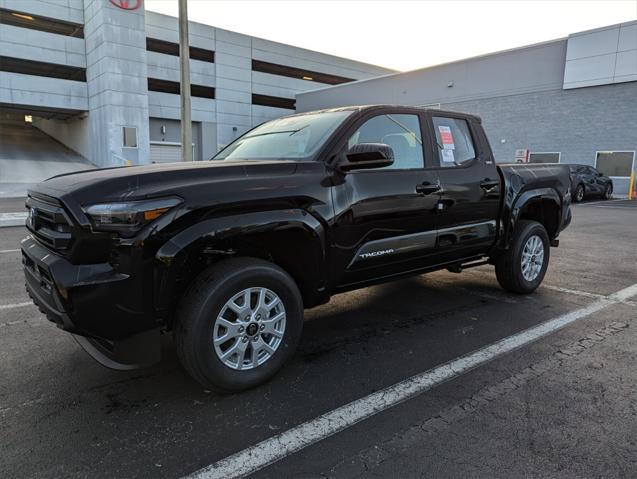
[446,137]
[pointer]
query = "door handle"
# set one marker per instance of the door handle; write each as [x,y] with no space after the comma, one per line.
[427,188]
[489,184]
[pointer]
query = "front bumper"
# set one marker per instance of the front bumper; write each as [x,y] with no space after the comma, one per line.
[82,299]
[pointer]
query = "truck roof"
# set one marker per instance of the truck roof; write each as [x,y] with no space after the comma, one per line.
[381,106]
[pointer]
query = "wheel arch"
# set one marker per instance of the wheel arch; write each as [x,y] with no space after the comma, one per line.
[292,239]
[541,205]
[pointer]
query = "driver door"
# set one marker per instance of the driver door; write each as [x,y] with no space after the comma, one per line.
[385,221]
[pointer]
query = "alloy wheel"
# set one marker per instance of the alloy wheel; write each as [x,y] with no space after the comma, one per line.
[532,258]
[249,329]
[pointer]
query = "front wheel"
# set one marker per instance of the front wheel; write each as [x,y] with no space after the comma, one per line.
[608,192]
[239,322]
[522,267]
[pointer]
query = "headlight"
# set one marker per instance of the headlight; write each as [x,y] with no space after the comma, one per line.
[128,217]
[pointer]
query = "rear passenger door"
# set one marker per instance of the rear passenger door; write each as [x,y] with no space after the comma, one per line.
[470,194]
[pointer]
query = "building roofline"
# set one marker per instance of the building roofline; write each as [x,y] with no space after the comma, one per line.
[607,27]
[438,65]
[362,64]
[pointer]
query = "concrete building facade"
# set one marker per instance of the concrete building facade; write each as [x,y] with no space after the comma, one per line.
[572,100]
[102,78]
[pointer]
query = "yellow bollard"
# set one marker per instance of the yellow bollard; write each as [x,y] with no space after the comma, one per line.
[632,194]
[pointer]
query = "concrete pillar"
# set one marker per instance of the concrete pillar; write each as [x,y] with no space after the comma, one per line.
[116,76]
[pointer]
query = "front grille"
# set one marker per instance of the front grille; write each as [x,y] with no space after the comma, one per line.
[49,223]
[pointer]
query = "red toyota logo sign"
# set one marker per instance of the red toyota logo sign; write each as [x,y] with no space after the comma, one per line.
[127,4]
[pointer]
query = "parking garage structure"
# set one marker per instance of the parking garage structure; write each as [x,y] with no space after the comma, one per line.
[103,81]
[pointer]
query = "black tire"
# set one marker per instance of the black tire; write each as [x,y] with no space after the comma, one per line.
[578,194]
[201,305]
[508,266]
[608,192]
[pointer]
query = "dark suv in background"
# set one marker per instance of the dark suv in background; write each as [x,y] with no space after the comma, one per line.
[587,181]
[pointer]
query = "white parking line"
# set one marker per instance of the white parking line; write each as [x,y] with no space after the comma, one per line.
[576,292]
[585,294]
[9,251]
[15,305]
[293,440]
[591,203]
[12,219]
[616,207]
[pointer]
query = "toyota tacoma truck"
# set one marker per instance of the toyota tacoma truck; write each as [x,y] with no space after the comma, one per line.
[226,254]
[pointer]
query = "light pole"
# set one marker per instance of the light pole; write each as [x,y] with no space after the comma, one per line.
[184,68]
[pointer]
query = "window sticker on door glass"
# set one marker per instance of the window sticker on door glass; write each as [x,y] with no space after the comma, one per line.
[446,137]
[447,156]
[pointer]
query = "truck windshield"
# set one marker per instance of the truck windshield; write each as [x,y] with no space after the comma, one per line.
[291,138]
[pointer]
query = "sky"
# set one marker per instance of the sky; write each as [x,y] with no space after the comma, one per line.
[405,35]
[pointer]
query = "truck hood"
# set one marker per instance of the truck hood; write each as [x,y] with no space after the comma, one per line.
[209,178]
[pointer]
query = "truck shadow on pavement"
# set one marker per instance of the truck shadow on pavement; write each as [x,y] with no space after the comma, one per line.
[343,326]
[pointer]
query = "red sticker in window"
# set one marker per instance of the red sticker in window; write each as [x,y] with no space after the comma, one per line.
[446,137]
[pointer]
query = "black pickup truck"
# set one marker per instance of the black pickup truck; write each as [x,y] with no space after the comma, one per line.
[226,254]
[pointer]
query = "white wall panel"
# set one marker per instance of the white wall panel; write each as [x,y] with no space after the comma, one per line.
[598,42]
[20,89]
[602,56]
[233,37]
[294,61]
[293,85]
[222,58]
[69,10]
[35,45]
[233,73]
[260,45]
[626,66]
[233,95]
[233,49]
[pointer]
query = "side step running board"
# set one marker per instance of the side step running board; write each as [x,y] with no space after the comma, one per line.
[457,268]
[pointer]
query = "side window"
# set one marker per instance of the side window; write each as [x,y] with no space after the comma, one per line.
[401,132]
[455,145]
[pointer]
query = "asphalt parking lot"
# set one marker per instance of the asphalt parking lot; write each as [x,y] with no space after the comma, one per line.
[561,406]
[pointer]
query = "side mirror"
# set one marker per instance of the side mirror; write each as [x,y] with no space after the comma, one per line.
[363,156]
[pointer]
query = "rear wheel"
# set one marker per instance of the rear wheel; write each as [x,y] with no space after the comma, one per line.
[522,267]
[578,194]
[238,324]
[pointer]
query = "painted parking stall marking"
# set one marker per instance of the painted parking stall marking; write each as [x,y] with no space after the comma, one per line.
[271,450]
[15,305]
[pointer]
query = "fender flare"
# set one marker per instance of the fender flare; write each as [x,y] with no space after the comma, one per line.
[172,255]
[518,205]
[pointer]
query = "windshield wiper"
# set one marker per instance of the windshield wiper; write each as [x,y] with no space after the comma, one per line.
[291,132]
[296,131]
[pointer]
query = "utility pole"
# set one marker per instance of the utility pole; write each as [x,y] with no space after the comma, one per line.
[184,68]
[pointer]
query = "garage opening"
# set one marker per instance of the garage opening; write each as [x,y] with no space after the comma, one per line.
[544,157]
[618,165]
[166,152]
[31,149]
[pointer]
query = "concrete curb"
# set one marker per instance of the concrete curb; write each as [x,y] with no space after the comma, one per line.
[12,219]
